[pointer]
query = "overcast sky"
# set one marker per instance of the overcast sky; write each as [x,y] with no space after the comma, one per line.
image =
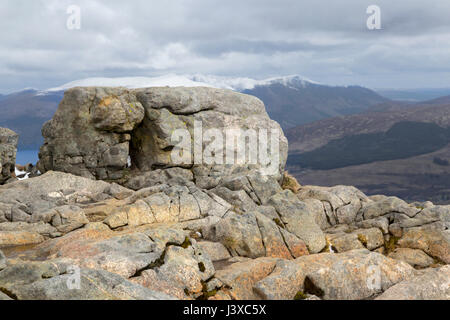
[324,40]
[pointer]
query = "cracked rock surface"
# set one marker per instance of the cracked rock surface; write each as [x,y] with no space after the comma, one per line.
[97,132]
[185,242]
[156,231]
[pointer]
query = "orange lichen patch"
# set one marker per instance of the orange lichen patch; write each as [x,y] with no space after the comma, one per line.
[150,279]
[105,102]
[19,238]
[99,211]
[299,249]
[17,250]
[78,244]
[242,276]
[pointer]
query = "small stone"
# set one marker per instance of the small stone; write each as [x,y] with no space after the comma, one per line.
[215,250]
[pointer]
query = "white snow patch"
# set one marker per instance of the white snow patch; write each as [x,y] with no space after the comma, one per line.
[195,80]
[240,84]
[133,82]
[20,172]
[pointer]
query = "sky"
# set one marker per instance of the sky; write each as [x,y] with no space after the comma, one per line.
[324,40]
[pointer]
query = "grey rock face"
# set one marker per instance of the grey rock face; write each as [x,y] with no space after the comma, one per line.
[433,239]
[434,284]
[180,272]
[371,239]
[415,257]
[357,274]
[387,206]
[215,250]
[8,149]
[43,199]
[240,234]
[264,240]
[42,228]
[342,203]
[89,133]
[298,220]
[95,131]
[53,281]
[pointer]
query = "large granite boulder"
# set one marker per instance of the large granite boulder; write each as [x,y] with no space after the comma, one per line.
[64,280]
[353,275]
[34,200]
[100,132]
[433,284]
[8,149]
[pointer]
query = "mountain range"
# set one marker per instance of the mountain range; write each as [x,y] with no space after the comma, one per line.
[337,134]
[290,100]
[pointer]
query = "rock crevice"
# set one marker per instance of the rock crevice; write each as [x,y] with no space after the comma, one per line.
[96,131]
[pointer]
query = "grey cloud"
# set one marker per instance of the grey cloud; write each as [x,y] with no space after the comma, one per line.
[324,40]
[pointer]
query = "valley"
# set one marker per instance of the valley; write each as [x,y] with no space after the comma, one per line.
[403,151]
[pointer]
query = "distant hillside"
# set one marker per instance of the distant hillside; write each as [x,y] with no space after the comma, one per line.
[315,135]
[420,178]
[414,95]
[404,151]
[438,101]
[25,112]
[403,140]
[301,103]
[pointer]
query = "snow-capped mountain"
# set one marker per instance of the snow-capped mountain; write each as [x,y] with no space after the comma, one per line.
[133,82]
[290,100]
[242,83]
[196,80]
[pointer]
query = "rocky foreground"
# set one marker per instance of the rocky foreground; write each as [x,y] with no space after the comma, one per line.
[95,226]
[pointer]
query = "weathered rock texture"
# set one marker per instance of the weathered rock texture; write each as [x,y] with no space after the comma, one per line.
[199,232]
[95,131]
[244,239]
[8,149]
[434,284]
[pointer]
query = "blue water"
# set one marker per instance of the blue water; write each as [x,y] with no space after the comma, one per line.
[27,156]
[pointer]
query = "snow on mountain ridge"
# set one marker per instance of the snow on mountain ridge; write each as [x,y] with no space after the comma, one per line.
[173,80]
[243,83]
[131,82]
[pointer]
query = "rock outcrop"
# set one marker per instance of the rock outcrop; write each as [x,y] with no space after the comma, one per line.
[433,284]
[185,242]
[195,232]
[101,132]
[8,149]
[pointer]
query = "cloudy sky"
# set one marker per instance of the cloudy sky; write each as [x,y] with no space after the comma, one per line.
[324,40]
